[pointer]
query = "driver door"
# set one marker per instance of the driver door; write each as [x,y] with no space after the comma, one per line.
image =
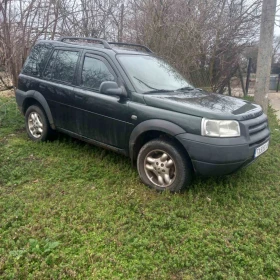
[100,117]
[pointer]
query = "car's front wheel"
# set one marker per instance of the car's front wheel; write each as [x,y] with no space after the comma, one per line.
[37,126]
[162,165]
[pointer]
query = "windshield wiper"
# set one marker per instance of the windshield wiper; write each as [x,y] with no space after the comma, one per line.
[154,90]
[144,83]
[159,90]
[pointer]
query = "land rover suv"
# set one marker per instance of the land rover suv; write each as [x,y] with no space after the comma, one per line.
[124,98]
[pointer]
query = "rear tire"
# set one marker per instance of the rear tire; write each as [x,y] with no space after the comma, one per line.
[37,125]
[162,165]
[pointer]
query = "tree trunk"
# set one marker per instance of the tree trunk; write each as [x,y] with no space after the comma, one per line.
[265,54]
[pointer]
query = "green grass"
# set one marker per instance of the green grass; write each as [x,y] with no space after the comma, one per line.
[69,210]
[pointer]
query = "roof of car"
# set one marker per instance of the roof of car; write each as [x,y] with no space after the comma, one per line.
[111,47]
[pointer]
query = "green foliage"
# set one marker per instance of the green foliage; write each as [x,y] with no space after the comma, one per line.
[74,211]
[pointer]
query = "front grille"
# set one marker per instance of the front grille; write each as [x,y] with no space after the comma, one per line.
[257,130]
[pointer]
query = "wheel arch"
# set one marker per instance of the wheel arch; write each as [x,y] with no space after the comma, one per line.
[151,129]
[34,97]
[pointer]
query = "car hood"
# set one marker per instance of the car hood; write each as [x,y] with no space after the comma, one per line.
[204,104]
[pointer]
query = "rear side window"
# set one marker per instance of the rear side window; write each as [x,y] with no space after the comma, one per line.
[48,70]
[35,63]
[94,73]
[62,65]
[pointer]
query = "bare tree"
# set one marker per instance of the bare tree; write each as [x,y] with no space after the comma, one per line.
[203,39]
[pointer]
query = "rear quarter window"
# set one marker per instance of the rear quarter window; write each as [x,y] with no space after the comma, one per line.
[62,65]
[35,63]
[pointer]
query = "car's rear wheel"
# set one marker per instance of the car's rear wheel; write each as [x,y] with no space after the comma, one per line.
[162,165]
[37,125]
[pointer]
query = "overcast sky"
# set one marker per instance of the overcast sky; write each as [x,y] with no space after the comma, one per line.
[277,28]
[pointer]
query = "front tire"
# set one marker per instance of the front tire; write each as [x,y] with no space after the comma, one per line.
[37,125]
[162,165]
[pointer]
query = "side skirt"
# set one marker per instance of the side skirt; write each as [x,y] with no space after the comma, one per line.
[94,142]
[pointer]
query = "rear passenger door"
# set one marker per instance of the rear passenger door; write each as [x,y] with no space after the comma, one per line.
[57,86]
[99,117]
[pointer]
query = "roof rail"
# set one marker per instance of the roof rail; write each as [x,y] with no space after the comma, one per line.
[133,45]
[105,43]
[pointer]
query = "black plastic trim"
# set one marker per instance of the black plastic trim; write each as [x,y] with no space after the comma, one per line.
[94,142]
[22,97]
[153,125]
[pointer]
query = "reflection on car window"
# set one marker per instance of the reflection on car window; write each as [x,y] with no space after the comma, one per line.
[149,73]
[95,72]
[48,70]
[65,65]
[36,60]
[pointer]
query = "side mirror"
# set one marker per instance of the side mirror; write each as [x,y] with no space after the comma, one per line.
[112,88]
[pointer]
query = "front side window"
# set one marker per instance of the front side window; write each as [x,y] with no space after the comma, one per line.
[94,73]
[34,65]
[62,65]
[149,73]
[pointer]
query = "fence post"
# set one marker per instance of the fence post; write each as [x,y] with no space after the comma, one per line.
[248,75]
[241,80]
[229,87]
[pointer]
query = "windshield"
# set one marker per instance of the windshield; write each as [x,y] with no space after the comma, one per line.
[149,73]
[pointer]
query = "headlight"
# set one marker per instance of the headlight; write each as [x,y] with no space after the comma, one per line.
[217,128]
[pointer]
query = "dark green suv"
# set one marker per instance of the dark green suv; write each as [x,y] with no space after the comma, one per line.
[134,103]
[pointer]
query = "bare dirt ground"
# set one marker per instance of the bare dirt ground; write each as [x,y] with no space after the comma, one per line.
[5,82]
[7,93]
[237,92]
[274,101]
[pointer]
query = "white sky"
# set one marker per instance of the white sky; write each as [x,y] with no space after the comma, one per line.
[277,28]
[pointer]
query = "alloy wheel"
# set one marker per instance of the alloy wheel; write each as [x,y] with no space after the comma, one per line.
[35,125]
[160,168]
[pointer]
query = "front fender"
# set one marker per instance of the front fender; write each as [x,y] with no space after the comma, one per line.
[153,125]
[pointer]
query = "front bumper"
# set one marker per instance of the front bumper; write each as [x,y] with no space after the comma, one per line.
[219,156]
